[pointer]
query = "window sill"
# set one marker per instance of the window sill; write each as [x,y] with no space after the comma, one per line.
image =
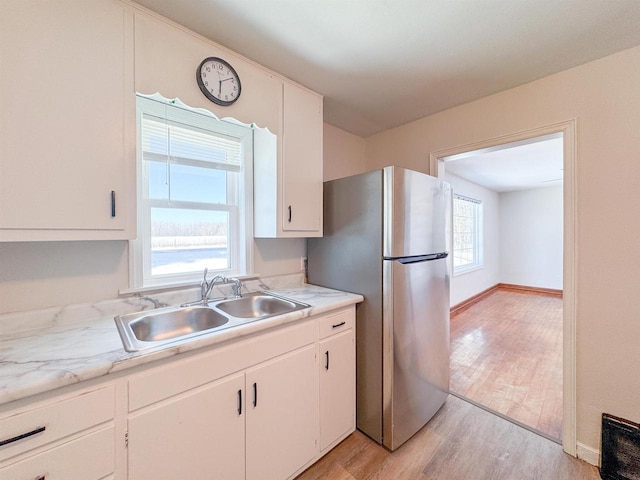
[464,271]
[125,292]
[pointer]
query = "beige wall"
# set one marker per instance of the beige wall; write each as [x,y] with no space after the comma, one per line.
[604,98]
[43,274]
[343,153]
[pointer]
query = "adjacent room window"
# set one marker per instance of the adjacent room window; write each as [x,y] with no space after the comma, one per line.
[194,194]
[467,234]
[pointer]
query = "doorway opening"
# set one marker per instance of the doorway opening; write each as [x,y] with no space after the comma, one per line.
[512,290]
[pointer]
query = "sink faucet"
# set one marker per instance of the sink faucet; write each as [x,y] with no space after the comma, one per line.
[206,287]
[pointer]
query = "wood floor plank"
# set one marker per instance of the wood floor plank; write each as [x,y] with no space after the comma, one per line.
[462,442]
[506,354]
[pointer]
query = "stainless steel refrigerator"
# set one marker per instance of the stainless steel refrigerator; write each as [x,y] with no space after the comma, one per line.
[387,237]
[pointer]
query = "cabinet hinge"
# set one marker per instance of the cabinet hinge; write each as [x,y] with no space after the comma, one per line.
[126,439]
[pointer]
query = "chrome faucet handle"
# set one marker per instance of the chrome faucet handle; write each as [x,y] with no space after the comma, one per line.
[237,287]
[204,286]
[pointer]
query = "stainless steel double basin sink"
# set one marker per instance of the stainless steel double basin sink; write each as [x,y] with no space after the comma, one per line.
[154,328]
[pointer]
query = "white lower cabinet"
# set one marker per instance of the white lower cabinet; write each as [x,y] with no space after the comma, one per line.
[69,437]
[282,415]
[90,457]
[263,407]
[337,388]
[199,434]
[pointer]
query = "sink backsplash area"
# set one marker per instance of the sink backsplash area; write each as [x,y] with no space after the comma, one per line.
[19,322]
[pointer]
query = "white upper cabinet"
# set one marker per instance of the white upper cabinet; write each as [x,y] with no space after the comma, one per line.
[288,186]
[67,112]
[302,161]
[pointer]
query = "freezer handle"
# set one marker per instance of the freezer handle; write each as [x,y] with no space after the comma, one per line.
[419,258]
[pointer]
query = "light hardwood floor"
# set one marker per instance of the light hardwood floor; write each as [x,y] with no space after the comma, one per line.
[506,354]
[461,442]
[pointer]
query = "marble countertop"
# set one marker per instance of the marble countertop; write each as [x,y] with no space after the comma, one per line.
[61,353]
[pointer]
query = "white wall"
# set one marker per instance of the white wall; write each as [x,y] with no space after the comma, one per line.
[344,153]
[468,284]
[531,237]
[604,98]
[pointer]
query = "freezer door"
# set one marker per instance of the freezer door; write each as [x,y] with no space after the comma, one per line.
[415,346]
[417,213]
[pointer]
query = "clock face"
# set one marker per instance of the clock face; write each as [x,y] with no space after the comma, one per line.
[218,81]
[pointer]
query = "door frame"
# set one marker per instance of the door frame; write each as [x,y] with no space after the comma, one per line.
[570,251]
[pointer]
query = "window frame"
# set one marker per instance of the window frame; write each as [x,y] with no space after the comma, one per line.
[477,233]
[240,227]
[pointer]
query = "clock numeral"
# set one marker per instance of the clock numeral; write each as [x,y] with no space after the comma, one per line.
[208,69]
[206,84]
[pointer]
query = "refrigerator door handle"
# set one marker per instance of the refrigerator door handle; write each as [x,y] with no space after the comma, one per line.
[418,258]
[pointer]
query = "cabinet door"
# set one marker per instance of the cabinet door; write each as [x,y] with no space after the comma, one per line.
[199,434]
[337,387]
[302,161]
[282,415]
[63,110]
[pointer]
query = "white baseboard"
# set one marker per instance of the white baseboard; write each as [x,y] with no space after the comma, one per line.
[588,454]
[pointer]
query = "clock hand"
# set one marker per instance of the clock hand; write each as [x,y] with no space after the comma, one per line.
[219,87]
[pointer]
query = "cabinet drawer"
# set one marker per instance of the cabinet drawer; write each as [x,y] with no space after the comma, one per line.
[336,322]
[87,458]
[24,430]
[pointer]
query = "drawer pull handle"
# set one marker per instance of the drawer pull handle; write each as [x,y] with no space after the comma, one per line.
[339,324]
[326,363]
[289,213]
[239,402]
[24,435]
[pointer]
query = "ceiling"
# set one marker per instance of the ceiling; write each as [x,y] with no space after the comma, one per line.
[508,168]
[383,63]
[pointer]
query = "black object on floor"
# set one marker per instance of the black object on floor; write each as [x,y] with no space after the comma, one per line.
[620,449]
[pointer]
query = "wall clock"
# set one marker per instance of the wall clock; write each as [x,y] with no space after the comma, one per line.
[218,81]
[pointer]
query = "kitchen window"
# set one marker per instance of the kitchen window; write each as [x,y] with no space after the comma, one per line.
[467,234]
[194,194]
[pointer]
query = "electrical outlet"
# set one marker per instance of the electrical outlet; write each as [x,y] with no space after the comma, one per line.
[303,264]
